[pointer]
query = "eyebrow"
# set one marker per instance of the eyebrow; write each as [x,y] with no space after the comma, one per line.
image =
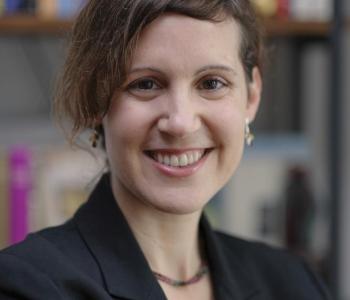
[201,70]
[141,69]
[216,67]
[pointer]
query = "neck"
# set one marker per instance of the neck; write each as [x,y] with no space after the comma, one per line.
[169,242]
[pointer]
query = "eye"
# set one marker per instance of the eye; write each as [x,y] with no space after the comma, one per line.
[213,87]
[145,88]
[212,84]
[146,84]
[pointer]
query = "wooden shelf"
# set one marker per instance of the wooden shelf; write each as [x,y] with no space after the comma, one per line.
[33,25]
[274,27]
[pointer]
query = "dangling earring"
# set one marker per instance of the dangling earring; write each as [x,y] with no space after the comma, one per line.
[94,138]
[249,137]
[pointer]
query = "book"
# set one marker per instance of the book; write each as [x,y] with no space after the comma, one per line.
[46,9]
[67,9]
[2,7]
[283,9]
[20,182]
[12,6]
[63,181]
[64,9]
[266,8]
[28,7]
[4,226]
[311,10]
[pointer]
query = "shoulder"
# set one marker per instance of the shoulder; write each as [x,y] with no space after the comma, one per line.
[255,252]
[275,269]
[20,280]
[41,247]
[23,271]
[43,262]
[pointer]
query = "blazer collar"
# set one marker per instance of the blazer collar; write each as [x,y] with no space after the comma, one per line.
[123,265]
[230,272]
[107,234]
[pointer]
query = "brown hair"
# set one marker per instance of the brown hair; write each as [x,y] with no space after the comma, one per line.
[102,43]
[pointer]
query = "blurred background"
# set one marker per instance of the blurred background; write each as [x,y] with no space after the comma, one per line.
[292,188]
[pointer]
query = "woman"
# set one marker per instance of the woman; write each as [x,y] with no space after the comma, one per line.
[170,87]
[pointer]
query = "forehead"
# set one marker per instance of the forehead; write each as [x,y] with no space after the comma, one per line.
[173,36]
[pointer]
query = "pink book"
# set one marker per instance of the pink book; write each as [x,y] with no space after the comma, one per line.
[19,190]
[283,9]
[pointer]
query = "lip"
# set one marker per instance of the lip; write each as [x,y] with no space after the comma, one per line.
[179,171]
[176,151]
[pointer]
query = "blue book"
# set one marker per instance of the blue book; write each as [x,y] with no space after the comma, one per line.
[13,6]
[69,8]
[27,6]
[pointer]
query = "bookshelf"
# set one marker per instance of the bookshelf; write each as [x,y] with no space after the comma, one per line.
[296,33]
[33,25]
[275,27]
[280,27]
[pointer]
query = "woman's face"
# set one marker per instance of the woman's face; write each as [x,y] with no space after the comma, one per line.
[175,130]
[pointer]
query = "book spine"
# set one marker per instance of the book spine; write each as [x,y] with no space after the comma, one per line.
[4,209]
[11,7]
[2,7]
[68,9]
[266,8]
[19,192]
[27,7]
[317,10]
[283,9]
[47,9]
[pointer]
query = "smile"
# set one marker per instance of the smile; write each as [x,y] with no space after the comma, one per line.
[178,159]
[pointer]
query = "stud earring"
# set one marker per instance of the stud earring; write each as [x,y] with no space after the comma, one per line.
[249,137]
[94,138]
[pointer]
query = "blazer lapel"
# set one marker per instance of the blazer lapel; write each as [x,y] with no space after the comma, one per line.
[230,275]
[125,270]
[111,242]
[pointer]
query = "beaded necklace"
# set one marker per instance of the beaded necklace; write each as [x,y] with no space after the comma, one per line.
[178,283]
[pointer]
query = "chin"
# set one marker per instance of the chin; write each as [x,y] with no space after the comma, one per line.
[178,209]
[180,205]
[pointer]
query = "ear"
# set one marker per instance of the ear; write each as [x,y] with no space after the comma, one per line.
[97,121]
[254,94]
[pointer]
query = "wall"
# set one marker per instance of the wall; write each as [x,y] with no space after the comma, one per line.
[345,206]
[28,68]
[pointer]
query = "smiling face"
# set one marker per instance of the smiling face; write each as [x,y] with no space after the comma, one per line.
[175,129]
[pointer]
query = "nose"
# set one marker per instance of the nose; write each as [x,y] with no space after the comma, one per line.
[181,116]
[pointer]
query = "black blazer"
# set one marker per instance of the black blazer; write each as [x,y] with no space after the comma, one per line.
[95,256]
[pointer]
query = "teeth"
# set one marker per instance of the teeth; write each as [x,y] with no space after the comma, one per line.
[174,162]
[165,160]
[190,159]
[196,156]
[182,160]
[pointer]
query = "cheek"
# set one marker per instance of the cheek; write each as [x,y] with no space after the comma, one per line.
[228,129]
[227,121]
[127,122]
